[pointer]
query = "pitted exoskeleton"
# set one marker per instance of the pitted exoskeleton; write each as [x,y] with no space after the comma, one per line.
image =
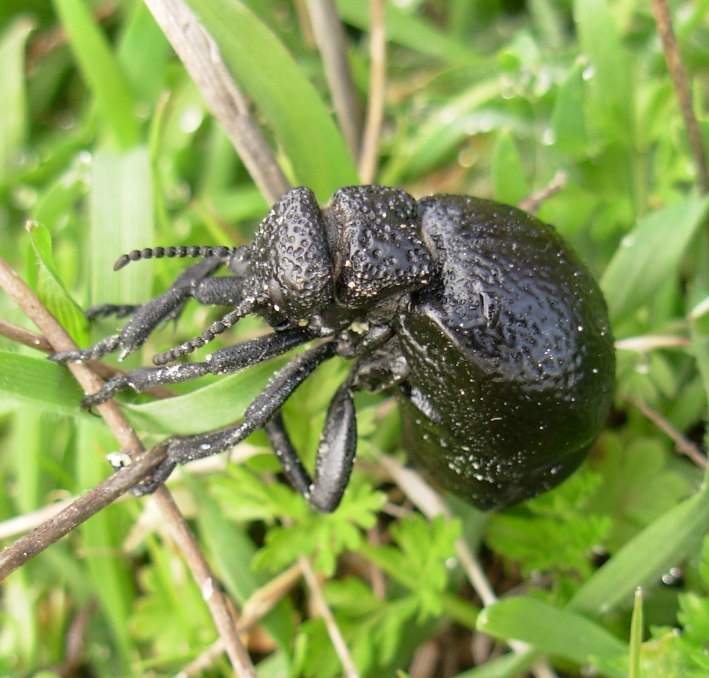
[489,329]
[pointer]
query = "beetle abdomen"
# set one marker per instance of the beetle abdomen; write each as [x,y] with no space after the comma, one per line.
[510,356]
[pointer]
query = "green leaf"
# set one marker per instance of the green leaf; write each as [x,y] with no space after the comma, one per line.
[608,74]
[43,278]
[644,559]
[113,95]
[40,383]
[277,85]
[555,532]
[560,633]
[206,408]
[508,180]
[568,121]
[650,254]
[13,112]
[121,213]
[636,635]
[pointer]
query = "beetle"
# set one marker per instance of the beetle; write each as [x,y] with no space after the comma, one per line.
[489,329]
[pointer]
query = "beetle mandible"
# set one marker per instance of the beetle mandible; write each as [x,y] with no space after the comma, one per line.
[492,333]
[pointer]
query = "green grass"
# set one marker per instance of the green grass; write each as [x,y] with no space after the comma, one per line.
[107,145]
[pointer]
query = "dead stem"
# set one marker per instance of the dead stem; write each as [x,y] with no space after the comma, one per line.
[261,602]
[682,89]
[77,512]
[325,612]
[533,202]
[683,445]
[330,39]
[200,56]
[377,90]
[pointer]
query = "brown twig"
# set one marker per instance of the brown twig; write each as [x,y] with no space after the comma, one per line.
[23,336]
[261,602]
[377,89]
[330,39]
[128,440]
[325,612]
[683,445]
[682,89]
[533,202]
[200,56]
[80,510]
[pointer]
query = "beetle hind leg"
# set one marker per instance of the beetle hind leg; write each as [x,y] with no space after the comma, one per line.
[334,458]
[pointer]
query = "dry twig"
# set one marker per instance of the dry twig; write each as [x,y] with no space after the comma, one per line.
[682,89]
[330,39]
[377,90]
[200,56]
[683,445]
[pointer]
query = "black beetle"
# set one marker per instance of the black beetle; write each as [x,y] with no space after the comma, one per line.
[489,328]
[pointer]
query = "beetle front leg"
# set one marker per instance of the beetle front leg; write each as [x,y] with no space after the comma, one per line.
[146,317]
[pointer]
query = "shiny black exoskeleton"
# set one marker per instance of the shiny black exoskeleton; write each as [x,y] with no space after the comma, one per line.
[488,327]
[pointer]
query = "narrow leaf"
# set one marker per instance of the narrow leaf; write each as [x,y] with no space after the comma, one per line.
[43,277]
[636,635]
[121,214]
[39,382]
[210,407]
[280,90]
[568,121]
[13,112]
[560,633]
[608,74]
[509,184]
[645,558]
[101,70]
[650,254]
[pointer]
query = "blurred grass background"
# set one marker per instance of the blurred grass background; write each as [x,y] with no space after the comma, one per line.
[107,145]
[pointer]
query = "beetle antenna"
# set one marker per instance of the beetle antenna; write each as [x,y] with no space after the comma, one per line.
[175,253]
[217,327]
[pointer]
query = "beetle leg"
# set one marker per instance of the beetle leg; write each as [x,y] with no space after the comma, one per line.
[224,361]
[146,317]
[266,404]
[334,458]
[115,310]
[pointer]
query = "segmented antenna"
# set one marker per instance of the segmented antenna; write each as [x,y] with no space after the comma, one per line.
[207,335]
[174,252]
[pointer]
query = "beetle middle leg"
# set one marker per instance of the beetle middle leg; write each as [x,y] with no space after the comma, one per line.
[224,361]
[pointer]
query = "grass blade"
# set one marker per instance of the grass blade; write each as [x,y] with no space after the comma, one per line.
[645,558]
[278,86]
[560,633]
[636,271]
[101,70]
[40,383]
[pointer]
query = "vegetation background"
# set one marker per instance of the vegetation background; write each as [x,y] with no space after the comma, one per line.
[106,144]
